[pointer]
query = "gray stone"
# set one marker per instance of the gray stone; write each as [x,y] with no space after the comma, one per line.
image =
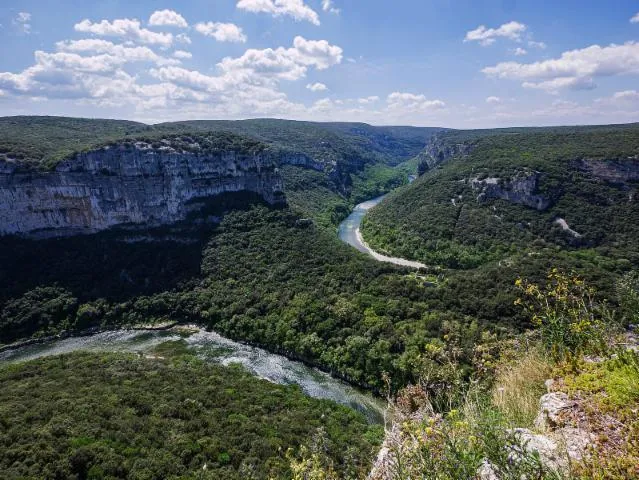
[550,453]
[127,184]
[486,471]
[552,406]
[518,189]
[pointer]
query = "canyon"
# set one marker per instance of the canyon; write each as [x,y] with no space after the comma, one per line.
[129,183]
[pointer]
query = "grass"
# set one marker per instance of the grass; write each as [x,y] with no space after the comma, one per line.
[613,384]
[518,386]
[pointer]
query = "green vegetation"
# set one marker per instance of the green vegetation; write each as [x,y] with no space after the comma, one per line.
[99,416]
[45,141]
[439,220]
[483,427]
[260,276]
[343,147]
[452,334]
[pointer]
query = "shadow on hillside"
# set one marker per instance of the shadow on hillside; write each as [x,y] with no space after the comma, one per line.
[118,264]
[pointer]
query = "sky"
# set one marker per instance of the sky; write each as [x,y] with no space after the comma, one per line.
[448,63]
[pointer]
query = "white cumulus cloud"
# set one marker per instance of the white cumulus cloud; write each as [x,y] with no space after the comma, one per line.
[182,54]
[292,8]
[487,36]
[317,87]
[635,19]
[409,102]
[284,63]
[328,6]
[493,100]
[22,22]
[167,18]
[519,52]
[122,53]
[222,32]
[575,69]
[127,29]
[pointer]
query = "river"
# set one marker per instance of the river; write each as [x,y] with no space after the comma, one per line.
[214,348]
[349,232]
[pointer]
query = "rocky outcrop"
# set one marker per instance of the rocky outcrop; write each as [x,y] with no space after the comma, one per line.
[129,183]
[614,171]
[519,189]
[302,160]
[439,150]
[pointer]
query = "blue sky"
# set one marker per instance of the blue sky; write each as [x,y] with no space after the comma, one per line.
[454,63]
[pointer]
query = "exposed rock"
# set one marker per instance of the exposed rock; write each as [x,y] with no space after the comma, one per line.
[566,228]
[614,170]
[550,453]
[128,183]
[575,441]
[487,472]
[439,150]
[553,407]
[519,189]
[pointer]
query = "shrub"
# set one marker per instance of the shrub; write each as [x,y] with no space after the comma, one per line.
[569,317]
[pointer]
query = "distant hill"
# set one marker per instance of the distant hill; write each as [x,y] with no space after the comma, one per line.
[488,194]
[346,147]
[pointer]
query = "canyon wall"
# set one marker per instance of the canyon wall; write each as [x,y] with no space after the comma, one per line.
[125,184]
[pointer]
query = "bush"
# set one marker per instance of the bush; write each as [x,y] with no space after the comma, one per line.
[569,318]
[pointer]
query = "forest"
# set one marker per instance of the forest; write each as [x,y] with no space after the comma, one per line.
[281,279]
[166,416]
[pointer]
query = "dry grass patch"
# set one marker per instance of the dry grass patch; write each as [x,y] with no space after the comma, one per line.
[519,385]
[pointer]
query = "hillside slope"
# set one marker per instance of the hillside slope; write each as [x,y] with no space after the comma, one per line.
[347,147]
[503,192]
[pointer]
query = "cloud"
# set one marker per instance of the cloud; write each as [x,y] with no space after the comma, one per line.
[222,32]
[323,105]
[292,8]
[22,22]
[539,45]
[518,52]
[94,72]
[283,63]
[167,18]
[635,19]
[575,69]
[408,102]
[368,100]
[190,79]
[127,29]
[622,99]
[183,54]
[487,36]
[626,95]
[493,100]
[327,6]
[121,53]
[317,87]
[183,38]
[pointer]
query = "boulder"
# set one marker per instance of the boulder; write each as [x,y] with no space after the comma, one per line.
[553,409]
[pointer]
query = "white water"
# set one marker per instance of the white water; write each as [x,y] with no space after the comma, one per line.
[214,348]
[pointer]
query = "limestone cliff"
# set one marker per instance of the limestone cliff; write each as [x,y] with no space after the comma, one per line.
[518,189]
[131,182]
[613,170]
[439,150]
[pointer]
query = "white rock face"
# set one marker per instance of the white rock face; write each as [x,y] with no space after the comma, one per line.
[518,189]
[126,184]
[552,407]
